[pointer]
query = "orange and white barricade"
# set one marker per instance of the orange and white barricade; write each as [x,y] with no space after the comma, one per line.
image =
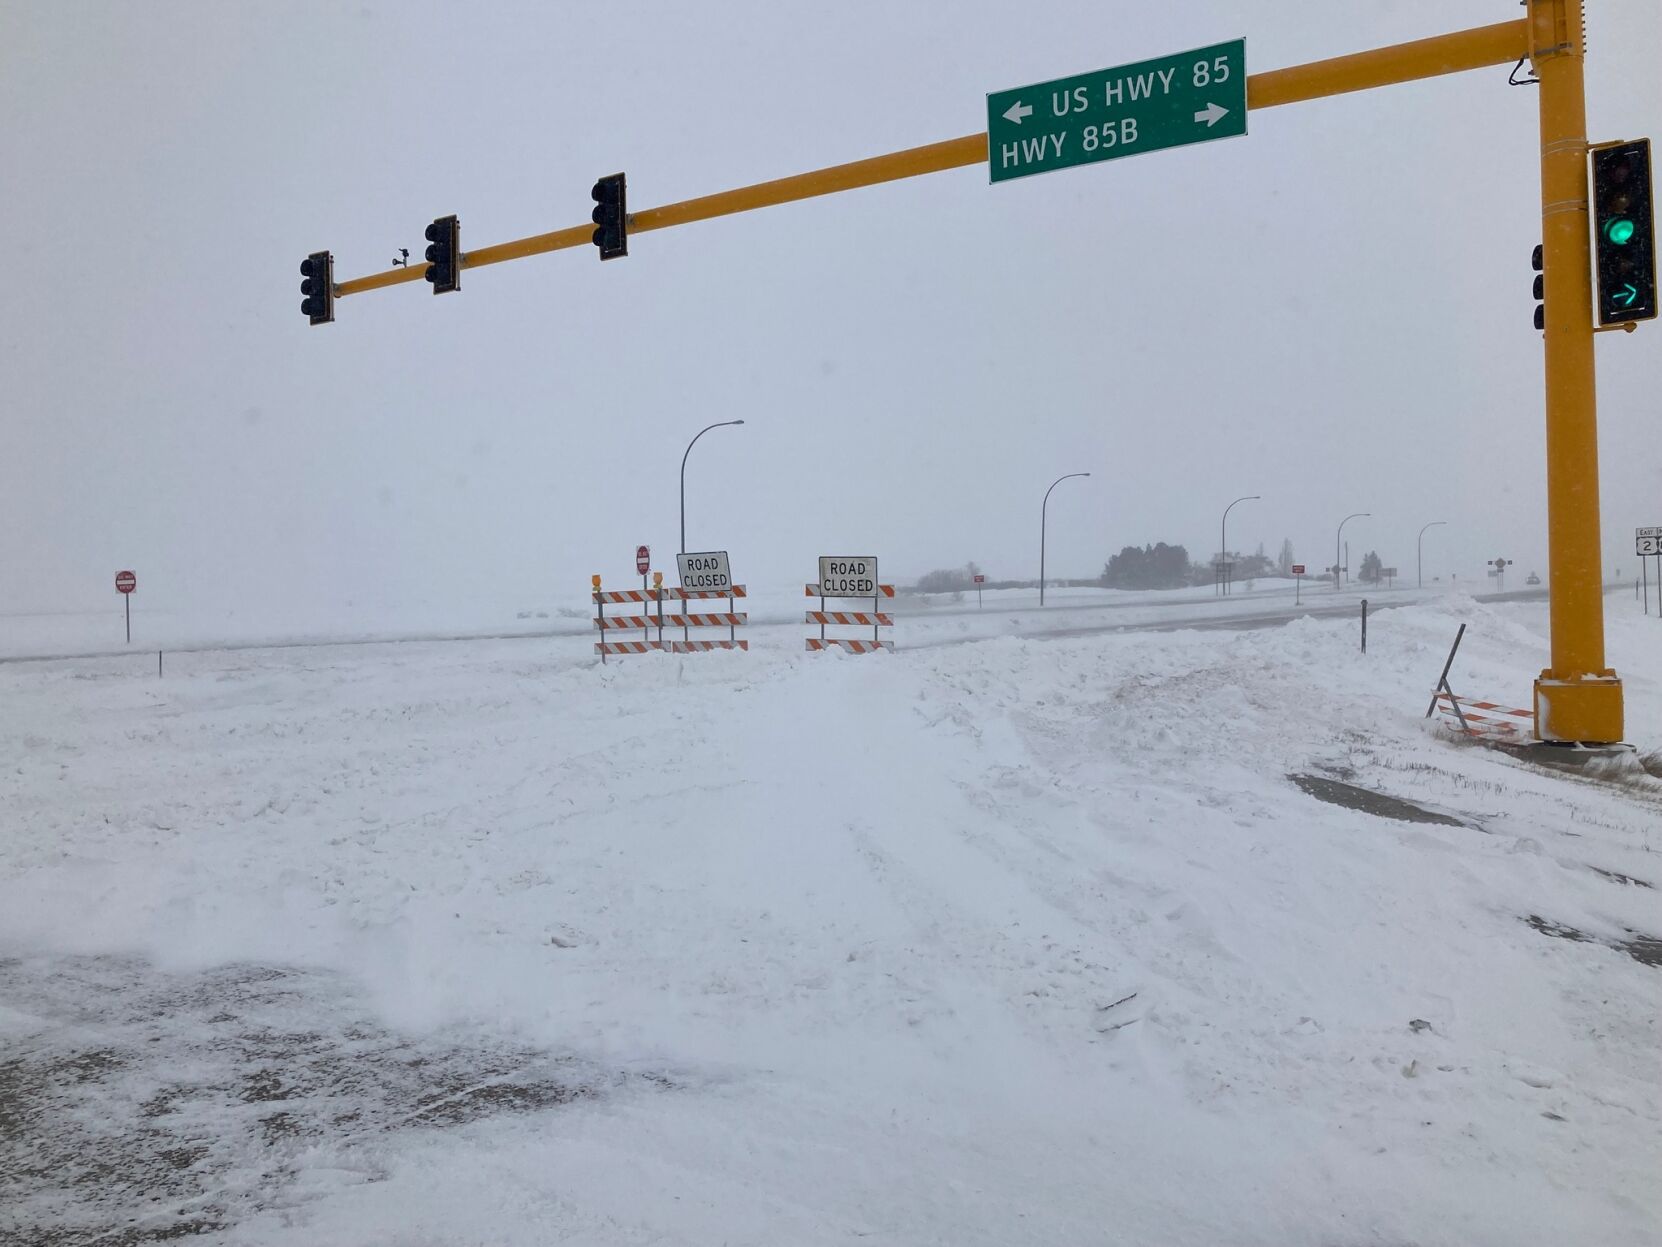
[876,619]
[643,611]
[732,619]
[1487,720]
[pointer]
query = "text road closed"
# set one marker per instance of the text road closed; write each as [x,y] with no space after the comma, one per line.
[707,571]
[847,576]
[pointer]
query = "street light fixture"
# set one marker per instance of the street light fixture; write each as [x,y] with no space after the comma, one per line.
[1419,565]
[1043,515]
[1359,515]
[1223,542]
[719,425]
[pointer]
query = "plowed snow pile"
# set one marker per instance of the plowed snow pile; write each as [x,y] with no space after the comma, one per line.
[1006,942]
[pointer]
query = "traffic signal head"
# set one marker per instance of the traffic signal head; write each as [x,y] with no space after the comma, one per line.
[1624,236]
[444,254]
[318,288]
[611,217]
[1536,261]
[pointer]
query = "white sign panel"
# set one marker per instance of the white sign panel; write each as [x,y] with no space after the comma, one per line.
[707,571]
[847,576]
[1647,541]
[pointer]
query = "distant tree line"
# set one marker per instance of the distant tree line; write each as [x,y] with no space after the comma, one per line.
[1157,566]
[1160,566]
[1151,567]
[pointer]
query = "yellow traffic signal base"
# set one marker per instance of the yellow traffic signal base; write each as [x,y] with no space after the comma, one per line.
[1577,698]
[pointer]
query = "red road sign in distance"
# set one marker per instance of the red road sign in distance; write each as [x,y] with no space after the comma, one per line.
[1298,569]
[125,582]
[980,580]
[643,559]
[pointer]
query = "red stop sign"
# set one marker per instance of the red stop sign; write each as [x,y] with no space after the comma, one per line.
[643,559]
[125,582]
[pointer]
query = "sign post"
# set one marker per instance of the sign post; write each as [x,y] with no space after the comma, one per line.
[1186,97]
[1499,573]
[125,583]
[1647,543]
[1298,583]
[643,563]
[979,581]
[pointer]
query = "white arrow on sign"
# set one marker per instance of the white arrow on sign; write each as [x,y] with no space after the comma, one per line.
[1018,110]
[1211,114]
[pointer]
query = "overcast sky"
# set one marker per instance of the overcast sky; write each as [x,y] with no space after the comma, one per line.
[1332,311]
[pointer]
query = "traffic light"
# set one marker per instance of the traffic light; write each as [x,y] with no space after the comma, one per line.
[611,217]
[318,269]
[444,254]
[1536,261]
[1624,237]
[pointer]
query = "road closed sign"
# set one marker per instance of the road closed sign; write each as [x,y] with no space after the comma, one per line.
[847,576]
[708,572]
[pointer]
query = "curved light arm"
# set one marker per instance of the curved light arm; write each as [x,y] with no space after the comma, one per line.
[1057,482]
[1237,502]
[720,424]
[1433,524]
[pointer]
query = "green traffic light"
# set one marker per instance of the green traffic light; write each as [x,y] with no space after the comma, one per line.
[1618,230]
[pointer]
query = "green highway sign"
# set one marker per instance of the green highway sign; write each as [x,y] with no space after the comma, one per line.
[1191,97]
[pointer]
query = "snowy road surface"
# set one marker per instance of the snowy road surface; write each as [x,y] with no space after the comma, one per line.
[775,618]
[998,943]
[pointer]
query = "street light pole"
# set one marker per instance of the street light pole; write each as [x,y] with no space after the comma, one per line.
[1223,541]
[719,425]
[1419,562]
[1043,516]
[1337,561]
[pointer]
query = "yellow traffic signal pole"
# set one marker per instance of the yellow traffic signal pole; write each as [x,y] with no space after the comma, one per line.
[1577,698]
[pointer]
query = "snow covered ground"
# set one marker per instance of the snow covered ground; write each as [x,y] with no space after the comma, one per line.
[1020,941]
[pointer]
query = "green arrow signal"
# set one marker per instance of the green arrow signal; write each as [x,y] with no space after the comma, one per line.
[1626,294]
